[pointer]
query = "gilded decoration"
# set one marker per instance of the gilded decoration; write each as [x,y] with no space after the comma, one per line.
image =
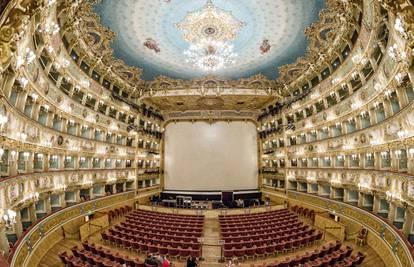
[324,36]
[13,28]
[335,22]
[209,22]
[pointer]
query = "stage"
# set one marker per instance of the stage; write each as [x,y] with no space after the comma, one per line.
[209,199]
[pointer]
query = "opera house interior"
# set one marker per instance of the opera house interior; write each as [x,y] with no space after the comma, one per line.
[256,133]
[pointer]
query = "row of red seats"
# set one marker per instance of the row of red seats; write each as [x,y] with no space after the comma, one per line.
[264,221]
[167,222]
[332,254]
[116,234]
[118,212]
[176,227]
[276,247]
[282,226]
[253,215]
[276,235]
[284,233]
[100,257]
[271,229]
[308,213]
[161,231]
[155,214]
[170,248]
[286,242]
[146,237]
[257,217]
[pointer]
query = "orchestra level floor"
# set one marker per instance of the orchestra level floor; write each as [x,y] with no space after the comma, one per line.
[211,254]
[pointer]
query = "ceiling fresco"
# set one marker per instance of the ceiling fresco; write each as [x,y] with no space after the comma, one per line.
[270,35]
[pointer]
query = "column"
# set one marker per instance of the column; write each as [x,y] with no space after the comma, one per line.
[13,162]
[391,213]
[48,205]
[387,108]
[35,111]
[408,221]
[30,163]
[18,226]
[8,84]
[4,242]
[21,100]
[376,204]
[394,161]
[360,199]
[49,120]
[372,116]
[402,97]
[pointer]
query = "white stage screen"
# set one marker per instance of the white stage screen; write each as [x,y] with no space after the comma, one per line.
[210,157]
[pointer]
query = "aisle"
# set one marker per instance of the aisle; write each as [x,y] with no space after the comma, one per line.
[211,250]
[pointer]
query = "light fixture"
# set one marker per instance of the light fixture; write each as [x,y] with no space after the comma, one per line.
[402,134]
[3,119]
[210,55]
[9,218]
[23,82]
[395,54]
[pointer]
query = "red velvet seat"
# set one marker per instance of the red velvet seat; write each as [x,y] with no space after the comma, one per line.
[228,253]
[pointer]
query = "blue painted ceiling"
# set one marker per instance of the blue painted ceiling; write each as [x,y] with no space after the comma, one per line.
[282,22]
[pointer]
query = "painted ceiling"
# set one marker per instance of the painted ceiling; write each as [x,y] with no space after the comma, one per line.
[137,22]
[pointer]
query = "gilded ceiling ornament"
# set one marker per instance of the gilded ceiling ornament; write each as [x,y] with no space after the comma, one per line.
[210,22]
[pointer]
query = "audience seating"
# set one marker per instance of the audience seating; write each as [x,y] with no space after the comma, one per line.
[265,234]
[167,234]
[119,212]
[333,253]
[305,212]
[93,255]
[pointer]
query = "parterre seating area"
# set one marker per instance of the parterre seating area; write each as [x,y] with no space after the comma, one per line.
[154,232]
[333,253]
[265,234]
[93,255]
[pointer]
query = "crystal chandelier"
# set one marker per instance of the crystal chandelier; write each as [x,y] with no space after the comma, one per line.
[209,32]
[210,55]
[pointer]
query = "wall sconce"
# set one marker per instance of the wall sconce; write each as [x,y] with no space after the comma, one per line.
[385,154]
[402,134]
[347,147]
[9,218]
[60,187]
[387,94]
[26,155]
[3,119]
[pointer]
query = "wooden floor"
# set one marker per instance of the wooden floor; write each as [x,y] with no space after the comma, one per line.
[211,253]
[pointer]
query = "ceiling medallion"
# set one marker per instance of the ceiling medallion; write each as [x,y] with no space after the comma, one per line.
[209,32]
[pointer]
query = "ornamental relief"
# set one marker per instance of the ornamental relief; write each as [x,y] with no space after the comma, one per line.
[322,36]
